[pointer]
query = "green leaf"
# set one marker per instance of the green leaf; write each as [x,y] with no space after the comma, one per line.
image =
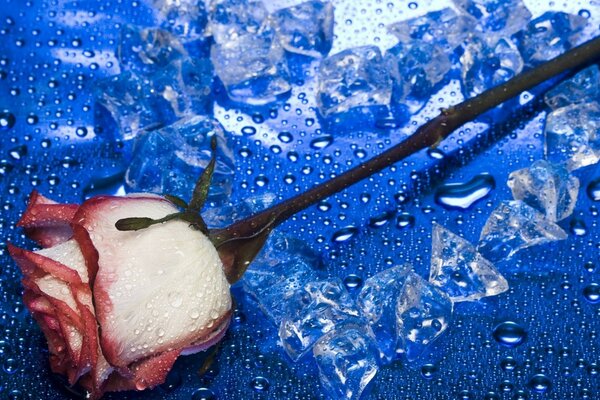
[177,201]
[195,220]
[203,184]
[134,223]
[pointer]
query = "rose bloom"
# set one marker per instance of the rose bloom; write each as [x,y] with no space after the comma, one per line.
[117,308]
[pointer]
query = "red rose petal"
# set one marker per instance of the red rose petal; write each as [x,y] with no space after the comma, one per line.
[46,221]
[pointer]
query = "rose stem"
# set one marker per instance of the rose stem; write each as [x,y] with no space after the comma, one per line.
[255,228]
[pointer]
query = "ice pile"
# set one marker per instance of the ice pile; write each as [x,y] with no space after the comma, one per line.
[396,313]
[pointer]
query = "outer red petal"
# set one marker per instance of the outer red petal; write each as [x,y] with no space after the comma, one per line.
[46,221]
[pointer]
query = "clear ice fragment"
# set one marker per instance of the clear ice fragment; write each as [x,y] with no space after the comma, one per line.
[147,50]
[229,20]
[549,35]
[355,77]
[169,160]
[313,311]
[584,87]
[252,68]
[306,28]
[423,313]
[496,18]
[484,67]
[573,135]
[547,187]
[377,302]
[284,266]
[416,69]
[514,226]
[459,270]
[186,19]
[347,361]
[444,27]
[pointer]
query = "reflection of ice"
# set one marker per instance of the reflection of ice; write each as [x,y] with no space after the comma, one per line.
[584,87]
[459,270]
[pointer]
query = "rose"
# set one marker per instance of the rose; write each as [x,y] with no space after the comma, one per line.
[118,307]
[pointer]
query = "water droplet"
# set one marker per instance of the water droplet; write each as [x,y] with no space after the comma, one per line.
[173,381]
[203,394]
[591,293]
[260,384]
[509,334]
[578,227]
[464,195]
[436,154]
[593,190]
[428,371]
[353,281]
[285,137]
[344,234]
[249,130]
[405,220]
[321,142]
[539,383]
[508,364]
[7,120]
[381,220]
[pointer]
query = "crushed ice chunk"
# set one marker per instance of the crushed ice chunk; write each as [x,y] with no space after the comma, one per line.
[284,266]
[377,302]
[169,160]
[347,361]
[496,18]
[416,69]
[306,28]
[514,226]
[573,135]
[484,66]
[355,77]
[423,313]
[229,20]
[444,27]
[186,19]
[146,50]
[549,35]
[313,311]
[459,270]
[252,68]
[584,87]
[547,187]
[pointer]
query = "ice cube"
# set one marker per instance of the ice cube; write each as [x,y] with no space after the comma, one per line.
[313,311]
[284,266]
[229,20]
[484,67]
[147,50]
[514,226]
[306,28]
[444,27]
[186,19]
[220,217]
[143,102]
[423,313]
[546,187]
[496,18]
[573,135]
[170,160]
[347,361]
[459,270]
[416,69]
[549,35]
[582,88]
[252,68]
[355,77]
[377,302]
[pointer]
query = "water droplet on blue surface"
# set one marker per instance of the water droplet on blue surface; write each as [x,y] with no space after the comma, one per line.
[321,142]
[464,195]
[405,220]
[353,281]
[509,334]
[593,190]
[591,293]
[203,394]
[260,384]
[540,383]
[344,234]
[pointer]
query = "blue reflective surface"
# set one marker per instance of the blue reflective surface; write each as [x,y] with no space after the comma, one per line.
[52,52]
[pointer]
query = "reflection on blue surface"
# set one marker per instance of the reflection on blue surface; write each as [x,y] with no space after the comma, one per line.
[53,52]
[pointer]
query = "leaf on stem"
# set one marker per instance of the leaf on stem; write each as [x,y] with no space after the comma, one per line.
[202,186]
